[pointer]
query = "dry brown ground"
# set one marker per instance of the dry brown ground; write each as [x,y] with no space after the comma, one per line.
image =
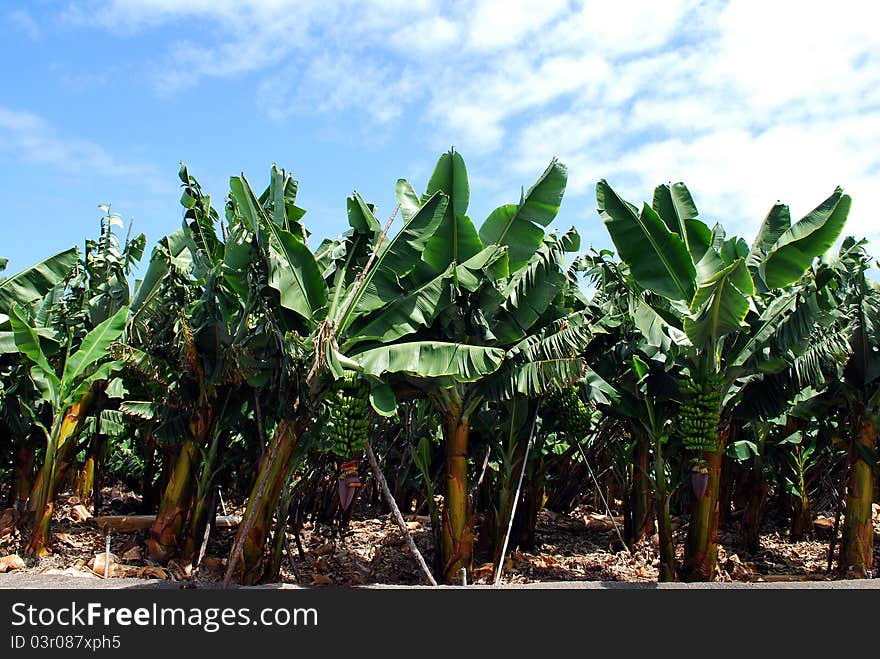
[581,546]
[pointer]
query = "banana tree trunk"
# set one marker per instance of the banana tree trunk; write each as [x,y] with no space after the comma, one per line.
[458,532]
[178,497]
[62,436]
[668,563]
[701,550]
[245,559]
[857,548]
[639,517]
[801,517]
[203,508]
[173,509]
[725,491]
[753,514]
[22,474]
[86,479]
[526,519]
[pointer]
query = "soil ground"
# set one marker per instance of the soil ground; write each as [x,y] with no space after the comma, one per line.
[582,546]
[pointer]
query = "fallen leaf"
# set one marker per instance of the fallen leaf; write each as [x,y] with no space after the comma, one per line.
[11,562]
[324,549]
[97,564]
[66,539]
[212,563]
[133,554]
[152,572]
[81,513]
[321,580]
[8,519]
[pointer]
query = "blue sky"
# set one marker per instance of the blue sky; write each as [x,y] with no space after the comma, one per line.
[747,103]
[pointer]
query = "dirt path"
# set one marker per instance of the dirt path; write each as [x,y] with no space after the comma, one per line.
[26,580]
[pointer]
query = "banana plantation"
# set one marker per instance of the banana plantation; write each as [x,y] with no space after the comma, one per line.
[475,378]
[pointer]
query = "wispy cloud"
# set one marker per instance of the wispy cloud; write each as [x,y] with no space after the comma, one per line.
[28,138]
[745,101]
[25,23]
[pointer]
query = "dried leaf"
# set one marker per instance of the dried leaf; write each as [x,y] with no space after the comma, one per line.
[81,513]
[11,562]
[152,572]
[97,565]
[133,554]
[8,519]
[66,539]
[324,549]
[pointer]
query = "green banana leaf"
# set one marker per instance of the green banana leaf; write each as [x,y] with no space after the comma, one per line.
[405,314]
[519,226]
[95,347]
[293,270]
[34,282]
[432,359]
[450,177]
[456,239]
[812,236]
[675,206]
[720,305]
[294,273]
[28,343]
[171,251]
[657,257]
[407,199]
[776,223]
[395,259]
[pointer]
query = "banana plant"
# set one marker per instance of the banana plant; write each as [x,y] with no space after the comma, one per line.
[29,288]
[66,390]
[99,289]
[853,391]
[198,342]
[505,330]
[712,288]
[360,290]
[635,357]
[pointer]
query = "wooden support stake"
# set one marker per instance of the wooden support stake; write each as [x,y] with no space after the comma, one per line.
[380,478]
[107,557]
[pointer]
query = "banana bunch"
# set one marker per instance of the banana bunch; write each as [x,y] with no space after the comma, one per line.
[348,414]
[565,407]
[700,413]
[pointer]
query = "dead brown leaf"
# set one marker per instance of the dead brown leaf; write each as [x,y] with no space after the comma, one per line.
[8,519]
[11,562]
[152,572]
[97,565]
[213,563]
[324,549]
[66,539]
[133,554]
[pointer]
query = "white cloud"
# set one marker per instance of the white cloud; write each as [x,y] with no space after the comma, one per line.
[28,138]
[25,23]
[327,84]
[746,101]
[427,36]
[495,24]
